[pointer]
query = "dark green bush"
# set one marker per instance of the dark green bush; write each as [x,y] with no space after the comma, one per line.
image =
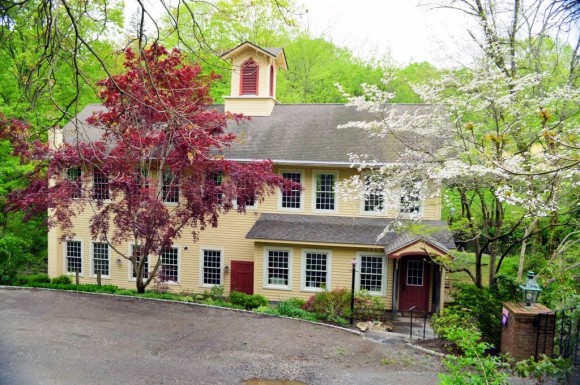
[368,307]
[248,301]
[450,319]
[126,292]
[61,279]
[23,280]
[484,307]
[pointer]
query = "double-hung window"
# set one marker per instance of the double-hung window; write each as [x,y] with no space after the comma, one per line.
[315,269]
[170,188]
[292,199]
[325,191]
[211,267]
[410,197]
[215,179]
[374,198]
[278,268]
[135,251]
[74,176]
[100,185]
[101,258]
[372,273]
[170,264]
[246,195]
[74,254]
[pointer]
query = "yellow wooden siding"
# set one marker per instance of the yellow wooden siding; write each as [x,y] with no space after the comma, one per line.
[249,105]
[230,236]
[341,271]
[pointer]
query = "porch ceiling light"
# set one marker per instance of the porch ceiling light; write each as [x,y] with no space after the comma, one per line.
[531,289]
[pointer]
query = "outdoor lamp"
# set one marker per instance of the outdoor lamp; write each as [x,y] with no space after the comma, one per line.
[531,289]
[353,262]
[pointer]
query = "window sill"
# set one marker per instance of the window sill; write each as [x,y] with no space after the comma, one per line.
[277,287]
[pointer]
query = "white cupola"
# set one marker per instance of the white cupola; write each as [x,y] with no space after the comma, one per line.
[254,70]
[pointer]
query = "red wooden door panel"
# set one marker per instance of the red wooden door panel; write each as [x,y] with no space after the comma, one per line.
[243,277]
[415,280]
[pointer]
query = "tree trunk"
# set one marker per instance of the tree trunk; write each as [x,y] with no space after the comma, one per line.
[521,261]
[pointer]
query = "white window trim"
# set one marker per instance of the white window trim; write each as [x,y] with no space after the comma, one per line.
[222,258]
[407,276]
[130,265]
[178,282]
[303,270]
[162,197]
[265,283]
[336,199]
[65,259]
[359,255]
[302,177]
[92,260]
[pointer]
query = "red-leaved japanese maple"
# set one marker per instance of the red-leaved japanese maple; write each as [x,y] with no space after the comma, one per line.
[160,142]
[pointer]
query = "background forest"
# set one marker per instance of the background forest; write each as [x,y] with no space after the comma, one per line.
[53,53]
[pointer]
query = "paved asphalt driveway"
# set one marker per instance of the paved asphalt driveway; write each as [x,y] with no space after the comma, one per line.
[61,338]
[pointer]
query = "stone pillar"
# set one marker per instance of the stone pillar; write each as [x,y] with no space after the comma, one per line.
[520,326]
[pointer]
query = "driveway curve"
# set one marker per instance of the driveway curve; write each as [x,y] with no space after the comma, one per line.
[49,337]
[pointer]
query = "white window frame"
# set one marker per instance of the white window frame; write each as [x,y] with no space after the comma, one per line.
[222,258]
[267,285]
[65,257]
[364,199]
[303,286]
[80,184]
[336,180]
[302,176]
[248,207]
[359,256]
[423,271]
[93,260]
[130,265]
[178,266]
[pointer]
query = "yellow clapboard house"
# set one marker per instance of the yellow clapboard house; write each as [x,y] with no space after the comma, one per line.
[289,245]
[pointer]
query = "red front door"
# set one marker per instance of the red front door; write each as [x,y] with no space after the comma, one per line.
[243,276]
[415,279]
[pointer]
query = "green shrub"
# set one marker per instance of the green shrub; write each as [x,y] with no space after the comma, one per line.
[23,280]
[368,307]
[61,279]
[451,318]
[126,292]
[332,304]
[295,302]
[248,301]
[216,293]
[474,366]
[15,256]
[546,370]
[485,308]
[88,288]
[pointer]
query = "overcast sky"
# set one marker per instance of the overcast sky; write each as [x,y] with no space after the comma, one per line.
[408,31]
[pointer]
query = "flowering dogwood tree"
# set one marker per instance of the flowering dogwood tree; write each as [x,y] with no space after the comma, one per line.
[501,137]
[154,172]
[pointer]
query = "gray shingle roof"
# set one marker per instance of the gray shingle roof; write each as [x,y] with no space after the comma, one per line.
[308,133]
[301,133]
[343,230]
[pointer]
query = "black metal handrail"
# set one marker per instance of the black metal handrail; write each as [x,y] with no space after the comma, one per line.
[415,309]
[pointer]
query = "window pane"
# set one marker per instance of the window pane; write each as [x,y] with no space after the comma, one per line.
[415,273]
[291,199]
[100,185]
[216,179]
[145,268]
[73,256]
[101,258]
[212,267]
[169,264]
[278,267]
[315,270]
[170,188]
[371,273]
[374,196]
[410,198]
[325,191]
[74,175]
